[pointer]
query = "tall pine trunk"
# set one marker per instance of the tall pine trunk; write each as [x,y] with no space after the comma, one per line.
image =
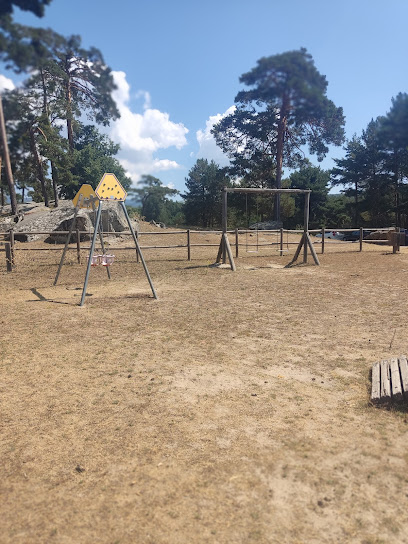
[54,176]
[40,168]
[54,173]
[279,152]
[7,164]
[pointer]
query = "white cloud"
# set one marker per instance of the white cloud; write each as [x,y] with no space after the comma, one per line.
[140,135]
[146,97]
[208,148]
[6,83]
[144,164]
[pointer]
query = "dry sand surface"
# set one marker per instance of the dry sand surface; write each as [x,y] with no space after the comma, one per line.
[234,409]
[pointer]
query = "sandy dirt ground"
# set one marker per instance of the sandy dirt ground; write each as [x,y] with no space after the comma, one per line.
[233,409]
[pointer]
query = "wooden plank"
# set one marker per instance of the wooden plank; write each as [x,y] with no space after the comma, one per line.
[188,245]
[312,250]
[403,364]
[396,388]
[375,384]
[229,252]
[385,390]
[9,267]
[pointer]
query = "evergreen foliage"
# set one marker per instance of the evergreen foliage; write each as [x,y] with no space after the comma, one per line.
[154,202]
[202,201]
[284,109]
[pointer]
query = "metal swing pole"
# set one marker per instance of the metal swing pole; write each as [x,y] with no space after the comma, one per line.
[138,250]
[68,239]
[88,268]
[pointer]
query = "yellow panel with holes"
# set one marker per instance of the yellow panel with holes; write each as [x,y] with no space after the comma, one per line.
[88,194]
[109,188]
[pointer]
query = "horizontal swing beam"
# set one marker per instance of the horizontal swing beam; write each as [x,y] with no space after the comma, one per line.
[259,191]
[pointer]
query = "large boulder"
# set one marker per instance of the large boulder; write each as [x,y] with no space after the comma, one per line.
[266,225]
[55,220]
[379,235]
[112,220]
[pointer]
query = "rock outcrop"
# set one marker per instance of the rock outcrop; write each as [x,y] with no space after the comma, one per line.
[38,218]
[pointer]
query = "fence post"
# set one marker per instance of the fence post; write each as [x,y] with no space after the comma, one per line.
[188,245]
[236,243]
[323,229]
[281,243]
[394,241]
[11,232]
[398,239]
[78,243]
[361,238]
[9,267]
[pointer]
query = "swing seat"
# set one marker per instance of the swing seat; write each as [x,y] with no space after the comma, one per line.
[96,260]
[107,260]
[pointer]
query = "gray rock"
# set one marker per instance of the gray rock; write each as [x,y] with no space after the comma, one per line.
[266,225]
[42,219]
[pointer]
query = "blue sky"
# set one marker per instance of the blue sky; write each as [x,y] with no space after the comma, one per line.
[177,64]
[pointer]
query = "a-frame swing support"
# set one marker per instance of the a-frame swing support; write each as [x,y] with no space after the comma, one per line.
[224,250]
[98,231]
[138,250]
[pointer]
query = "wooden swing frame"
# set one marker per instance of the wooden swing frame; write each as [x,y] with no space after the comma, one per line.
[224,250]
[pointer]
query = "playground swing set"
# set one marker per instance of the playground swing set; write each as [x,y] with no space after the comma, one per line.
[108,190]
[279,246]
[224,249]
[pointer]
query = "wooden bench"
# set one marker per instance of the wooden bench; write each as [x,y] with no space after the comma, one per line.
[390,380]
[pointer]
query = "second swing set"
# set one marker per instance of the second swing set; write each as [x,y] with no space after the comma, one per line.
[224,249]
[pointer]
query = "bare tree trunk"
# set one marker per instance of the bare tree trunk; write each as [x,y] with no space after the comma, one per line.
[40,168]
[2,200]
[7,164]
[54,176]
[69,117]
[279,163]
[279,153]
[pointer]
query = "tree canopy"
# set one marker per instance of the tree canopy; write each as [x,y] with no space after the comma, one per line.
[284,109]
[153,197]
[203,197]
[35,6]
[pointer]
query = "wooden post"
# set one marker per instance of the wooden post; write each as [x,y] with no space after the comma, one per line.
[236,243]
[224,223]
[78,243]
[188,245]
[323,232]
[361,238]
[9,266]
[306,226]
[12,246]
[281,243]
[229,252]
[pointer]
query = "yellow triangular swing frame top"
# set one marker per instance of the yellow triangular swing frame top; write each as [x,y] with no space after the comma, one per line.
[109,188]
[87,192]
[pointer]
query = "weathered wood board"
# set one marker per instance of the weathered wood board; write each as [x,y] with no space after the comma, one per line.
[390,380]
